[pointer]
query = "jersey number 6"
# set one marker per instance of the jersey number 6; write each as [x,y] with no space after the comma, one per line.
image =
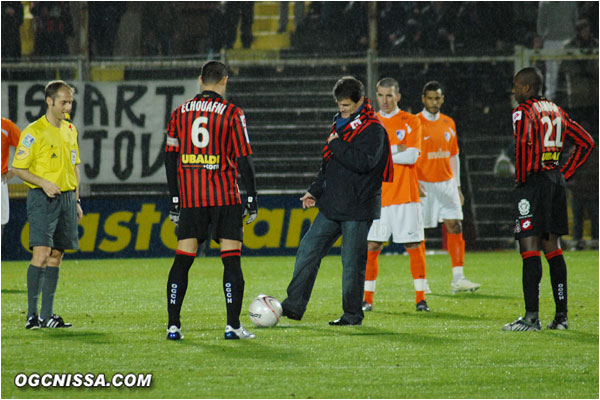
[200,135]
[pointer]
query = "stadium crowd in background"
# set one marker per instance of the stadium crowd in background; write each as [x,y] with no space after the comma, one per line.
[12,19]
[47,160]
[429,27]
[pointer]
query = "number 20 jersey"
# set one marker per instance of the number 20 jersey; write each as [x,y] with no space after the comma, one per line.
[540,127]
[209,134]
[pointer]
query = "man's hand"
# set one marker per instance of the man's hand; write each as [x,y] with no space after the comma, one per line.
[308,200]
[334,135]
[462,198]
[422,191]
[174,211]
[251,208]
[79,212]
[50,188]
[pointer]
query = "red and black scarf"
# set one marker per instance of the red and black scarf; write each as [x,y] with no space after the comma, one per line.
[355,127]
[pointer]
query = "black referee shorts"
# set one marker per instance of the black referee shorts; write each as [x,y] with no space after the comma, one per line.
[225,222]
[540,206]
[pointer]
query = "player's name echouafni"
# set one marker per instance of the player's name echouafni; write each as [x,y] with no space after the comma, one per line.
[202,105]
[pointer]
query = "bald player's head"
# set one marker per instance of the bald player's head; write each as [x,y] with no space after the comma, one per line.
[528,83]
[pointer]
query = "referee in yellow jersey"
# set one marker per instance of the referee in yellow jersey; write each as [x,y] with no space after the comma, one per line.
[47,159]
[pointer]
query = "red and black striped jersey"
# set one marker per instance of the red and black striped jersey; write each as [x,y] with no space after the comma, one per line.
[209,134]
[540,127]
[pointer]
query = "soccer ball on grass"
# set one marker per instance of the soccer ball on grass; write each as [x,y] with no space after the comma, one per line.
[265,311]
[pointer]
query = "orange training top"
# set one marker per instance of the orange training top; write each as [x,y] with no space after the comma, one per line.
[10,137]
[402,128]
[438,145]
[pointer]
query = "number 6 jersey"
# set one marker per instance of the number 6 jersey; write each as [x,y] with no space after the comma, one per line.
[209,134]
[540,127]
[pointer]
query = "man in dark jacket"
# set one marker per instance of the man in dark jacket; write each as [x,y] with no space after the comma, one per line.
[356,159]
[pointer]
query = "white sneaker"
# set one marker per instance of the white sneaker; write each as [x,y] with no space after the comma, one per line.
[240,333]
[464,285]
[174,333]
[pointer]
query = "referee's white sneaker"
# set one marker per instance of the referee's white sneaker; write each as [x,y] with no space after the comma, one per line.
[464,285]
[239,333]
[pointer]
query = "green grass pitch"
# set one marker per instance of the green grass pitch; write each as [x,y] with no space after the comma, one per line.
[118,308]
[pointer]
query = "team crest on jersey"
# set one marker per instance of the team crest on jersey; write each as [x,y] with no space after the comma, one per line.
[517,226]
[447,135]
[524,207]
[28,140]
[400,133]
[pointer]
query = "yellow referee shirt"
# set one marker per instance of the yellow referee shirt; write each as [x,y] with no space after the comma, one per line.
[50,153]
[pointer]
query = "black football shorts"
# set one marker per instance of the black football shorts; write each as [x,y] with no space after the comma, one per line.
[224,222]
[540,206]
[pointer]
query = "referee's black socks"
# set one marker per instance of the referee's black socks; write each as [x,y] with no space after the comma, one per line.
[177,285]
[233,285]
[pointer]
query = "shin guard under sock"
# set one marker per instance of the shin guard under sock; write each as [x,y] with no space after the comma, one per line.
[532,275]
[558,278]
[177,285]
[233,285]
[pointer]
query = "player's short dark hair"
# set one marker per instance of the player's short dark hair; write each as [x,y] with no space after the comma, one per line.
[53,87]
[531,76]
[388,83]
[432,86]
[213,71]
[348,87]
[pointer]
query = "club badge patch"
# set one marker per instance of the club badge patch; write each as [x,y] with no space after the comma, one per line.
[447,135]
[400,133]
[524,207]
[28,140]
[22,153]
[517,226]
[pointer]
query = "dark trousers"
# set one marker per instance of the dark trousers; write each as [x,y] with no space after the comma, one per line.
[315,245]
[578,206]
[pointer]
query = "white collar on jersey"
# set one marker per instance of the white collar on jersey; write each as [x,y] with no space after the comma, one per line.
[429,116]
[390,115]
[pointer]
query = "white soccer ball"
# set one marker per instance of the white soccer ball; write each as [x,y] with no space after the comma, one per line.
[265,311]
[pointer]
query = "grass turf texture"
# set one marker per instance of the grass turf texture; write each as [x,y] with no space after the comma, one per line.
[118,309]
